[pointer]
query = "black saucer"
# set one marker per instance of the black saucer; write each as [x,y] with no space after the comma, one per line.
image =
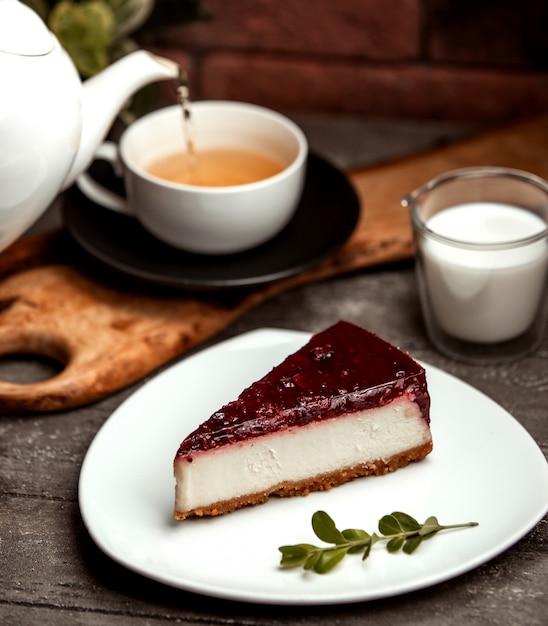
[325,219]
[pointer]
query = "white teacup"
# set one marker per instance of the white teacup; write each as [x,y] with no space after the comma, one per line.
[206,219]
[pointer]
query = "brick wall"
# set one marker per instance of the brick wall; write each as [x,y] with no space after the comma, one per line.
[470,60]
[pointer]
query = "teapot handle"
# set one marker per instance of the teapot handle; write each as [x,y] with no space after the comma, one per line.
[107,151]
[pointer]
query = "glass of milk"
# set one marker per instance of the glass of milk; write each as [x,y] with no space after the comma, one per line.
[481,240]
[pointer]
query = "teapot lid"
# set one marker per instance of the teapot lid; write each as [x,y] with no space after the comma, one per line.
[22,31]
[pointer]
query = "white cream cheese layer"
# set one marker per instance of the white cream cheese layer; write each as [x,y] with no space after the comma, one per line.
[299,453]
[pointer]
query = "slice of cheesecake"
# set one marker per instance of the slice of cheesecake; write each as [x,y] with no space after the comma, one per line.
[347,404]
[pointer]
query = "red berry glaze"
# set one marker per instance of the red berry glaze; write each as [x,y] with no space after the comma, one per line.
[340,370]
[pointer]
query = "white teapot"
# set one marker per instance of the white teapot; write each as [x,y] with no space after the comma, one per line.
[51,123]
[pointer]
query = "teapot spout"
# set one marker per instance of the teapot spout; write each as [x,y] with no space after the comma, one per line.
[105,94]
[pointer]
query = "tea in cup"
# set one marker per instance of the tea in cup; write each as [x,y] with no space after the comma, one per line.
[234,184]
[216,167]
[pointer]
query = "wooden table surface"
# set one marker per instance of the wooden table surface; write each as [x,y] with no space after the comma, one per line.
[51,572]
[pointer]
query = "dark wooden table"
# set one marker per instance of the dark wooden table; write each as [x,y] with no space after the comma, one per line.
[51,572]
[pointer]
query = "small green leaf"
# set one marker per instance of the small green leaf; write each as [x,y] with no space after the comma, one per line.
[406,522]
[357,536]
[430,527]
[388,525]
[367,549]
[412,543]
[328,559]
[395,544]
[295,555]
[325,528]
[311,561]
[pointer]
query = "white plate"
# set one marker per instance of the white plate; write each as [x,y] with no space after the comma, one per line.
[485,467]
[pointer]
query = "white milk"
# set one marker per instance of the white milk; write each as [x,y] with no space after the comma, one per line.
[485,296]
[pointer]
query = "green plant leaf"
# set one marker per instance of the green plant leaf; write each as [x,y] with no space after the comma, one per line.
[406,522]
[430,527]
[398,522]
[368,546]
[328,559]
[412,543]
[295,555]
[395,544]
[312,560]
[325,528]
[85,30]
[89,23]
[356,535]
[388,525]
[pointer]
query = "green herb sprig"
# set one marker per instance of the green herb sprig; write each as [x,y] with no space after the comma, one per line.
[399,530]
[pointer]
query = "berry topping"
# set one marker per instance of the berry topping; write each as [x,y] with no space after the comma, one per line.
[340,370]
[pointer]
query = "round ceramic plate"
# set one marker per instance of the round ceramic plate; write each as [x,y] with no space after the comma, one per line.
[482,460]
[325,218]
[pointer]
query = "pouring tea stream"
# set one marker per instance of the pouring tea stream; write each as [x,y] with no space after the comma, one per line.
[50,122]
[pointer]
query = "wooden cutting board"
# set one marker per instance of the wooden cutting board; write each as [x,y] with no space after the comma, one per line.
[109,335]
